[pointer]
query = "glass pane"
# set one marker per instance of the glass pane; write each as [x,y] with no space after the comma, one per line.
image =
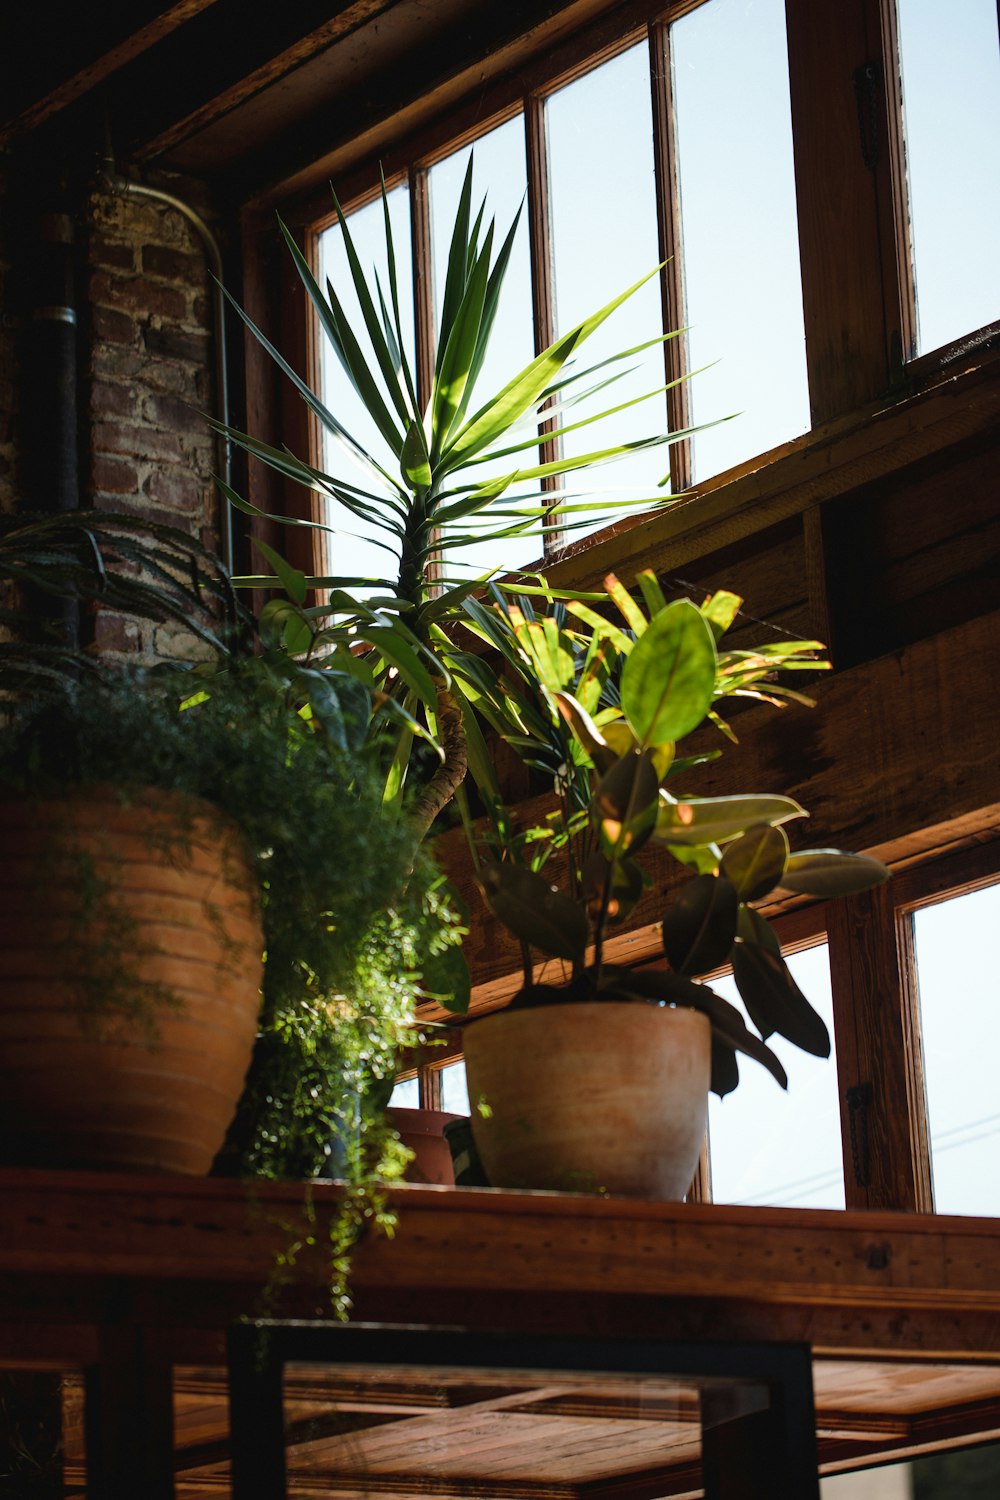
[603,225]
[500,175]
[951,82]
[769,1146]
[741,255]
[408,1430]
[406,1094]
[454,1089]
[960,1022]
[357,549]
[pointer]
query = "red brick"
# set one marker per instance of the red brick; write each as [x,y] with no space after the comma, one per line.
[112,400]
[168,411]
[174,265]
[175,487]
[114,477]
[138,295]
[141,506]
[135,441]
[175,343]
[115,253]
[113,632]
[113,326]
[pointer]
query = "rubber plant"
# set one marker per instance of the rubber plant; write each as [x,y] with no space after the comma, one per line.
[612,704]
[426,501]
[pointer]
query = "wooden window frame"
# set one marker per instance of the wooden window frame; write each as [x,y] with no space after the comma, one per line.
[875,411]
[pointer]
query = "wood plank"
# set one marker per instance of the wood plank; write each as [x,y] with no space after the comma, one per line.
[107,1226]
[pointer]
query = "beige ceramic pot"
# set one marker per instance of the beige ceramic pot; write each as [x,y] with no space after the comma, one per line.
[590,1097]
[108,908]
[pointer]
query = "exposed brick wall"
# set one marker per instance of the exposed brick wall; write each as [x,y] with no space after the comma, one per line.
[148,376]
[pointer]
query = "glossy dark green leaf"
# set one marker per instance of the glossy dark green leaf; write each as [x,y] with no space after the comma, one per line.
[831,872]
[668,681]
[725,1074]
[704,820]
[534,910]
[624,804]
[755,861]
[774,1001]
[699,928]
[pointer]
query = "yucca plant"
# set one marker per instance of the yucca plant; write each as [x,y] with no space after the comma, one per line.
[427,501]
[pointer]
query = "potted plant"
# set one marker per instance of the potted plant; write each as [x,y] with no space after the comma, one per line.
[597,1079]
[161,832]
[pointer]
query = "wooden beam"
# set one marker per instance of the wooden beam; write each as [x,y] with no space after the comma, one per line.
[117,44]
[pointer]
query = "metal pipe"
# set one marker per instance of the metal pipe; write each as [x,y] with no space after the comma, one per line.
[123,187]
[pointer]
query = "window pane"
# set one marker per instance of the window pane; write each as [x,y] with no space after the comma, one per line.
[406,1094]
[500,176]
[603,227]
[768,1146]
[354,549]
[960,1023]
[454,1090]
[741,258]
[951,81]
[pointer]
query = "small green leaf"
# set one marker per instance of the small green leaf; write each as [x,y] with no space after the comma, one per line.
[414,463]
[282,625]
[754,862]
[534,910]
[445,978]
[700,928]
[720,611]
[292,581]
[668,681]
[586,731]
[831,872]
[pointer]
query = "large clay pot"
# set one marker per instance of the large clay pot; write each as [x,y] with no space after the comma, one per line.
[590,1097]
[130,970]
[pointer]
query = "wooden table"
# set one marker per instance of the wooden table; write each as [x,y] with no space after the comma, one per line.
[140,1277]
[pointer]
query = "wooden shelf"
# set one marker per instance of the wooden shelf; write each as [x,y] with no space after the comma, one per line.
[902,1310]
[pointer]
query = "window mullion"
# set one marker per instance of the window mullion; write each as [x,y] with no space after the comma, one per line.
[542,277]
[897,249]
[671,249]
[873,1019]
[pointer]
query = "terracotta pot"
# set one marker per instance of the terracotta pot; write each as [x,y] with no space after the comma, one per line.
[422,1130]
[590,1097]
[130,970]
